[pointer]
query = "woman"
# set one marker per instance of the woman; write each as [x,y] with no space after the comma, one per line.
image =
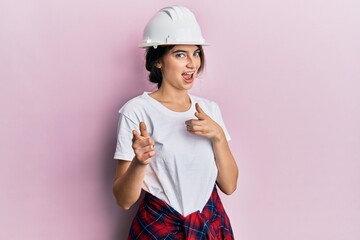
[174,145]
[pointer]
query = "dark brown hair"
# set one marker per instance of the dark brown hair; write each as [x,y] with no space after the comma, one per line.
[155,54]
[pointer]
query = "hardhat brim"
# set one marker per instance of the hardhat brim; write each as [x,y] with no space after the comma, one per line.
[147,45]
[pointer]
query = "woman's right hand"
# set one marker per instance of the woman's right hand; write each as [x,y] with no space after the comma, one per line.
[142,145]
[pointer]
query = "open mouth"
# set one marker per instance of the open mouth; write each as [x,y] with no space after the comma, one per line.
[188,76]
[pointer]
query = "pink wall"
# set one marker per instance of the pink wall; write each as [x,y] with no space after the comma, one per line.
[286,74]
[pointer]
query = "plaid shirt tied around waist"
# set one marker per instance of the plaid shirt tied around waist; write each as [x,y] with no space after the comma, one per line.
[157,220]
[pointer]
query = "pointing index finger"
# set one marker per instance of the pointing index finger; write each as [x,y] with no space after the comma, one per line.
[200,114]
[143,130]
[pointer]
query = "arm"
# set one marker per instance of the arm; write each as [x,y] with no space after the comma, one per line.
[130,175]
[227,168]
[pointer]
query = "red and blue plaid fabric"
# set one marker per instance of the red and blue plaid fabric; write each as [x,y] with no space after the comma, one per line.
[157,220]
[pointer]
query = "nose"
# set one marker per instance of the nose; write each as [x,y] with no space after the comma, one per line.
[191,62]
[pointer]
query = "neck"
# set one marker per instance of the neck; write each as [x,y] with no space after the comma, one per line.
[179,97]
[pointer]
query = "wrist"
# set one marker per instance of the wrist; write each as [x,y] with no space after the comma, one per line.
[220,137]
[139,163]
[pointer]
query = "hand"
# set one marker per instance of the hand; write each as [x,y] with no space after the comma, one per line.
[204,125]
[142,145]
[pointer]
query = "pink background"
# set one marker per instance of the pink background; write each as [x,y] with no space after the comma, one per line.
[285,73]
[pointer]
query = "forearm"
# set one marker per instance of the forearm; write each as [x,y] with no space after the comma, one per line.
[127,187]
[227,167]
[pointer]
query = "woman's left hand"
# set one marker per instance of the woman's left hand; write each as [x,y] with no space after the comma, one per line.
[204,125]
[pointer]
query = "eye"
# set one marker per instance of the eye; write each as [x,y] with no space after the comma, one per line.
[197,53]
[180,55]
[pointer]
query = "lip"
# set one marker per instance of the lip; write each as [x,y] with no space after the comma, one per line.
[189,73]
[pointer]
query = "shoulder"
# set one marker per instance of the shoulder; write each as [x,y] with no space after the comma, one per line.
[135,104]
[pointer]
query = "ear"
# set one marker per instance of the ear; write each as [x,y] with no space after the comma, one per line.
[158,64]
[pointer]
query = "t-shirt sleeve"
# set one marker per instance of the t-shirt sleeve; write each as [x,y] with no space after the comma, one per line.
[220,121]
[123,149]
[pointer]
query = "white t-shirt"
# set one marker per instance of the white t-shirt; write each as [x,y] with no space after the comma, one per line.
[183,171]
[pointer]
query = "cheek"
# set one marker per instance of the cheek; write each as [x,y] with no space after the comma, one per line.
[198,62]
[176,66]
[171,70]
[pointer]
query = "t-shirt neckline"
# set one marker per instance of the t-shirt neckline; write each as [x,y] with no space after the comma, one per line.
[162,108]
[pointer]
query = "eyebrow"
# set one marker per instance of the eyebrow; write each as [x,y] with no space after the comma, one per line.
[183,51]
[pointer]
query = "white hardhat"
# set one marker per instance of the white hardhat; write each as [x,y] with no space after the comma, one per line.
[175,25]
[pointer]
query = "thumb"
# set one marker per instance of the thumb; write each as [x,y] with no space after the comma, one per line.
[136,135]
